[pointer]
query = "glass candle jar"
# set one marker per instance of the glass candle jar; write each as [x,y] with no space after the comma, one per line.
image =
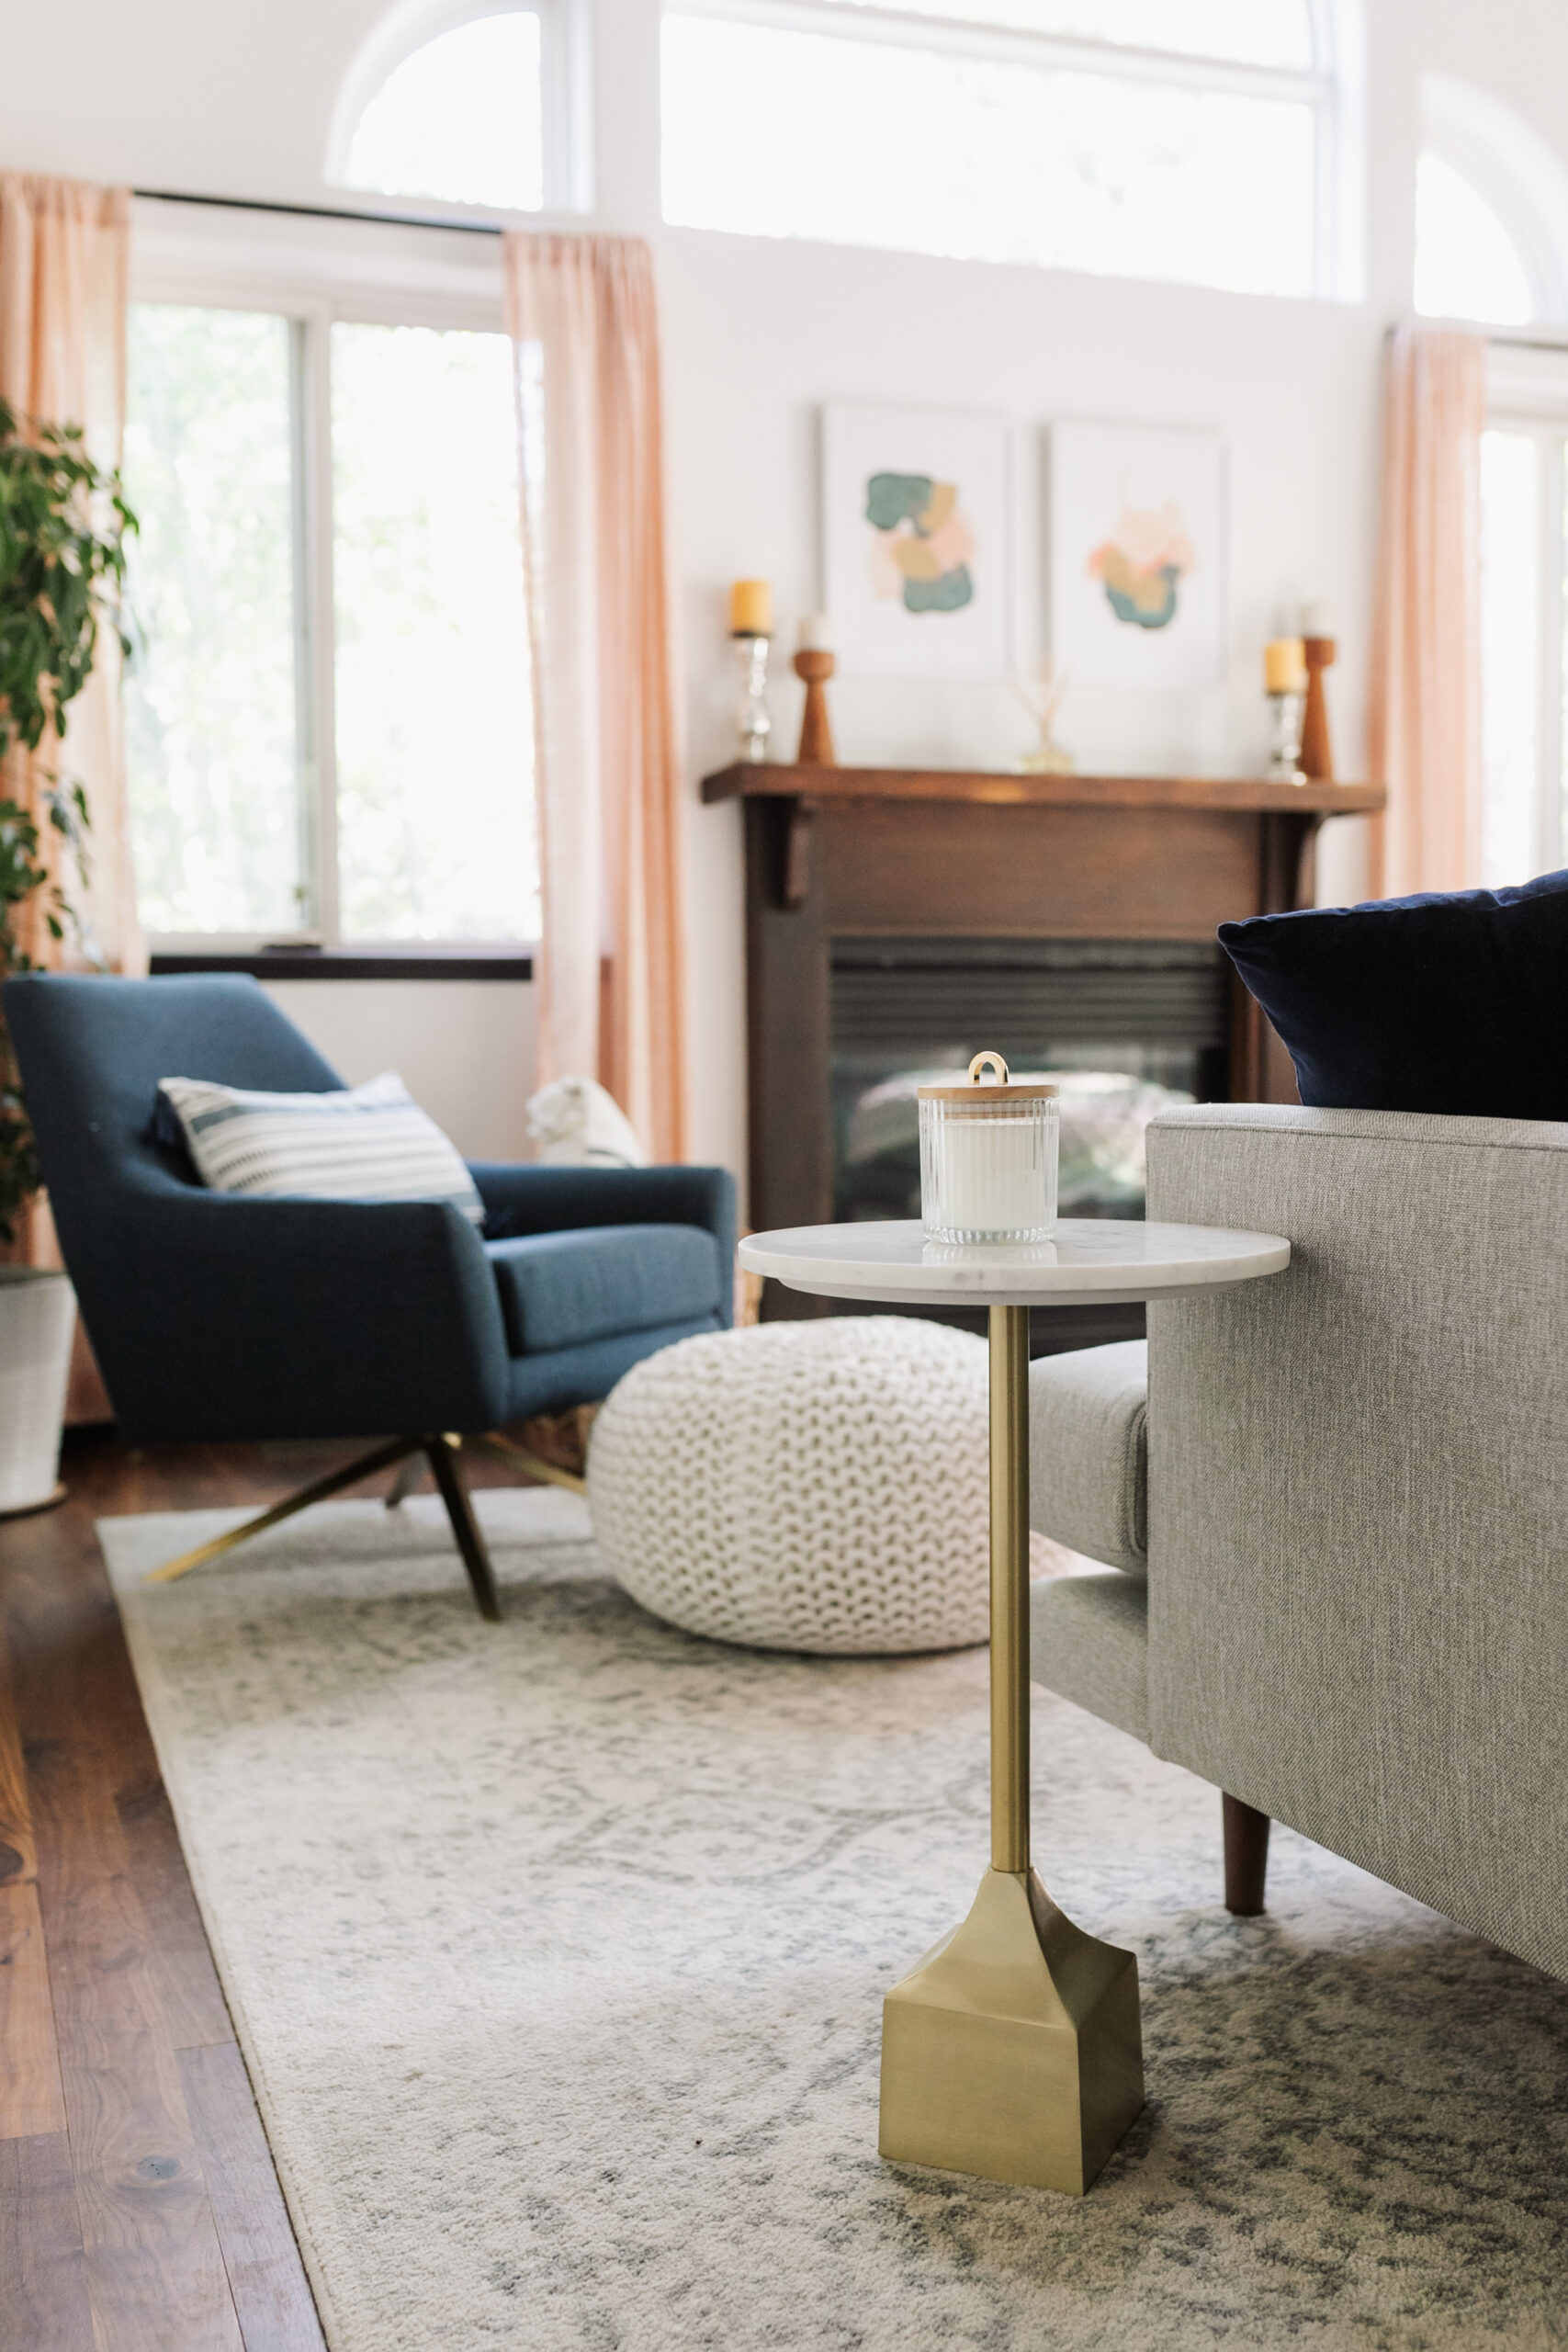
[989,1156]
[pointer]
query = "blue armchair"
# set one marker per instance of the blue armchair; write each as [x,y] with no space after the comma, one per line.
[213,1314]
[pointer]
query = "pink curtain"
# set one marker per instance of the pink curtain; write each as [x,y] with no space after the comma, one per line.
[64,257]
[582,316]
[1426,687]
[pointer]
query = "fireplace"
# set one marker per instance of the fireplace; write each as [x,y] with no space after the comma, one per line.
[1125,1026]
[899,920]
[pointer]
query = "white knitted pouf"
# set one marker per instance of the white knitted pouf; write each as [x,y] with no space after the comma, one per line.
[803,1486]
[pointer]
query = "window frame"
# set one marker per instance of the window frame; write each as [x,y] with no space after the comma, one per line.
[566,101]
[1526,393]
[379,276]
[1333,86]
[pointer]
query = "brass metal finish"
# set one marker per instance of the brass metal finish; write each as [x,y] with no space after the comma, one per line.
[1009,1587]
[317,1492]
[521,1459]
[1013,2050]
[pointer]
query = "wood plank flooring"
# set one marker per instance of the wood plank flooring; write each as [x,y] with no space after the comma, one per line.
[139,2208]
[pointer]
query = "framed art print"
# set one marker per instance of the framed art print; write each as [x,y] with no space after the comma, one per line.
[1137,548]
[915,542]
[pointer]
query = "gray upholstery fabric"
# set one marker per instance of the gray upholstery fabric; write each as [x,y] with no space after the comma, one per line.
[1089,1642]
[1088,1454]
[1358,1498]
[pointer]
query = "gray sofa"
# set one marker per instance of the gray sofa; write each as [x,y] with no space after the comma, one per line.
[1335,1512]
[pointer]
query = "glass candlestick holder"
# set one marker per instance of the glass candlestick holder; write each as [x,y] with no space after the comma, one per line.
[989,1156]
[1285,713]
[752,716]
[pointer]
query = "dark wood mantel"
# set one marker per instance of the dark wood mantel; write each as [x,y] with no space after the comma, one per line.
[838,853]
[752,780]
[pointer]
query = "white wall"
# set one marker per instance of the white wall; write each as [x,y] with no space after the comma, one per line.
[463,1048]
[237,99]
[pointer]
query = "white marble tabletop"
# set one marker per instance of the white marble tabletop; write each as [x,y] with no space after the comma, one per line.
[1109,1258]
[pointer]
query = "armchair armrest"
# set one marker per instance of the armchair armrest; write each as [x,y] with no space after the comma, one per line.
[521,1199]
[215,1316]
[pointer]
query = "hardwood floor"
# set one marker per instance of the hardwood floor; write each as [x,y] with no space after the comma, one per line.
[139,2208]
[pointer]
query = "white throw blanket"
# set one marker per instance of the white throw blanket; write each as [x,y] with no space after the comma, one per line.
[575,1124]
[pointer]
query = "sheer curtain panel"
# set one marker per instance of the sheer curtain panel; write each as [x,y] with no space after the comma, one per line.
[1426,684]
[64,254]
[582,315]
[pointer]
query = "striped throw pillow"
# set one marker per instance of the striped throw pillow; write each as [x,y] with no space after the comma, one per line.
[355,1143]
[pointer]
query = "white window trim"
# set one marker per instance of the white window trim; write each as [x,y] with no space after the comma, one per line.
[565,77]
[374,276]
[1527,391]
[1333,87]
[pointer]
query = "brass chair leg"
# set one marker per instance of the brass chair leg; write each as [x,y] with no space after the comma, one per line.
[531,1464]
[443,1452]
[396,1449]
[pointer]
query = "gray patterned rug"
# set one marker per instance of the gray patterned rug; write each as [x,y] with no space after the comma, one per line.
[556,1953]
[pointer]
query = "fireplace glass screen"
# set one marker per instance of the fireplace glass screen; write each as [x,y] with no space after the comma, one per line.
[1125,1027]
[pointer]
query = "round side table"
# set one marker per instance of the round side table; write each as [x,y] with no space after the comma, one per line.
[1013,2050]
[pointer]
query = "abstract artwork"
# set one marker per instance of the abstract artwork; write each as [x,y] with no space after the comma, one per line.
[1137,556]
[914,538]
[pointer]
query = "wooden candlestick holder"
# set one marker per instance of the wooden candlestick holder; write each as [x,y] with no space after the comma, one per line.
[815,733]
[1316,758]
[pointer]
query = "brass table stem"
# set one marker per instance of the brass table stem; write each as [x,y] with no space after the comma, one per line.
[1009,1587]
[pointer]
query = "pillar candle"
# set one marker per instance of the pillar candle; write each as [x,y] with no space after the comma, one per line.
[815,633]
[751,608]
[992,1175]
[1284,666]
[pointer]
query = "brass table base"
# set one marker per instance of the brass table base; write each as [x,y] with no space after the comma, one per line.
[1013,2050]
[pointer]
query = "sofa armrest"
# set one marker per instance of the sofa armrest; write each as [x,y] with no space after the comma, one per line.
[525,1199]
[218,1315]
[1088,1456]
[1358,1493]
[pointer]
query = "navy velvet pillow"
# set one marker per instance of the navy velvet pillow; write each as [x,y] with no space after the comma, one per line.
[1450,1002]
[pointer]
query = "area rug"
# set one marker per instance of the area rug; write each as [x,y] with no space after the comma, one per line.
[556,1952]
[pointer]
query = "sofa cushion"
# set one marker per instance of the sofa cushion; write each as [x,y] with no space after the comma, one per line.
[559,1290]
[1450,1002]
[1088,1641]
[1089,1452]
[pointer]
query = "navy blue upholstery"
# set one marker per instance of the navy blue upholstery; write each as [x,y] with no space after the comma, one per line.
[559,1290]
[217,1316]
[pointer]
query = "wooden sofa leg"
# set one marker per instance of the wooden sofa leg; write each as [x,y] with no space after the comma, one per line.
[442,1453]
[1247,1856]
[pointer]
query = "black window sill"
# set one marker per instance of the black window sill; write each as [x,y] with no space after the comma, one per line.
[349,963]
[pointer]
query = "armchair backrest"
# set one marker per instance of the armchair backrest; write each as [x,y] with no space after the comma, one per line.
[1358,1498]
[92,1051]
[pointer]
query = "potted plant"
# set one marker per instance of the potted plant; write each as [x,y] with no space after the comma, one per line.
[63,525]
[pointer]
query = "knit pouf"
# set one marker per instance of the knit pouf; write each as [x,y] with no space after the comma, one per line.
[802,1486]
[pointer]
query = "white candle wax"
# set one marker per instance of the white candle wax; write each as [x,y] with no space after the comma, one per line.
[992,1175]
[1317,620]
[815,633]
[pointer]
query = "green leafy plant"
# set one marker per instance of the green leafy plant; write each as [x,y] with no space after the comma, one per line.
[62,528]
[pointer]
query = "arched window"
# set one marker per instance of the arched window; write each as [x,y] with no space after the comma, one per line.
[1490,212]
[1201,140]
[464,104]
[1467,264]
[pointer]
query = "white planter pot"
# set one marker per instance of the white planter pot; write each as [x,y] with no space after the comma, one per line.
[38,1317]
